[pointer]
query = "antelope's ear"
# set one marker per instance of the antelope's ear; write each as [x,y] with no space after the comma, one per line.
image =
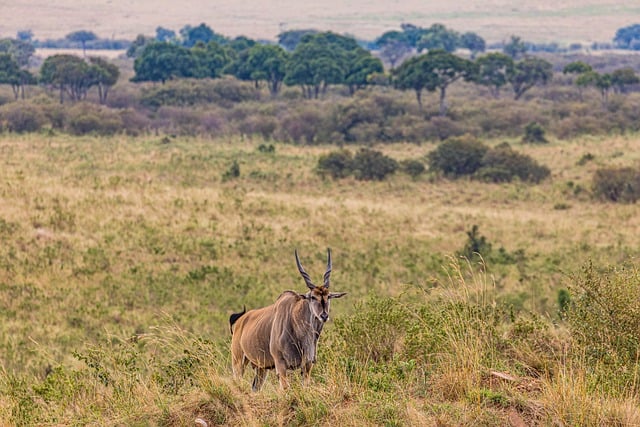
[337,294]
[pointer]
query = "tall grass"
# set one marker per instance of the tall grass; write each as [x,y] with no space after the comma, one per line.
[122,258]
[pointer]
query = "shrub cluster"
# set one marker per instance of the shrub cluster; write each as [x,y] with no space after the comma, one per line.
[468,157]
[617,184]
[366,164]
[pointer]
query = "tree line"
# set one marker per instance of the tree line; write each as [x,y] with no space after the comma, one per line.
[309,59]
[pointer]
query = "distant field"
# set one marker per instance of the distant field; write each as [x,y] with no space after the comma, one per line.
[495,20]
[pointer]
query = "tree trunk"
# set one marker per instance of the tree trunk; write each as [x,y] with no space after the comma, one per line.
[419,98]
[443,103]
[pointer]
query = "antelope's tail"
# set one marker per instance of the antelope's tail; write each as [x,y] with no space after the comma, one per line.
[234,318]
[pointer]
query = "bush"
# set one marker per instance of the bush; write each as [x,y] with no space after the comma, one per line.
[84,118]
[372,165]
[604,319]
[21,117]
[338,164]
[413,168]
[502,164]
[457,157]
[303,125]
[617,184]
[534,134]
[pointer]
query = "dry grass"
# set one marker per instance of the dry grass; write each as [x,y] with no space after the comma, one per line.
[131,253]
[539,21]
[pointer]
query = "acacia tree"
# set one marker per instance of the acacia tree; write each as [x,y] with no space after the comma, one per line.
[412,74]
[444,69]
[82,37]
[268,63]
[21,50]
[104,75]
[528,73]
[515,47]
[493,71]
[360,66]
[162,61]
[578,68]
[68,73]
[624,77]
[473,42]
[207,60]
[393,46]
[438,37]
[319,60]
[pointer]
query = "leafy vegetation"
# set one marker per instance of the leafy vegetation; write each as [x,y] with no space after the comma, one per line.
[123,257]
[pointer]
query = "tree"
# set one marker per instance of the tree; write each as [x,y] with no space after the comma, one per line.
[473,42]
[579,68]
[493,71]
[290,39]
[360,66]
[202,33]
[21,51]
[623,77]
[82,37]
[165,35]
[446,68]
[162,61]
[413,33]
[241,43]
[320,60]
[628,37]
[438,37]
[393,46]
[515,48]
[266,63]
[104,75]
[68,73]
[207,60]
[24,35]
[529,72]
[576,67]
[138,45]
[412,74]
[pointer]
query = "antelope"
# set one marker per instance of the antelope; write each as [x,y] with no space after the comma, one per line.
[283,335]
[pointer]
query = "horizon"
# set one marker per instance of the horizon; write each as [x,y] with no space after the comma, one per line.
[540,21]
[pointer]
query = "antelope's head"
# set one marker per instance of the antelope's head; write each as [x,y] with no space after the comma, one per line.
[319,297]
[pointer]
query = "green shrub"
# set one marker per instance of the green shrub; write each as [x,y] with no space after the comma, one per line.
[372,165]
[457,157]
[617,184]
[604,319]
[413,168]
[502,164]
[21,117]
[85,118]
[337,164]
[534,134]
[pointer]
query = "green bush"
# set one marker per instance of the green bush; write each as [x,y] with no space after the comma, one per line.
[604,319]
[457,157]
[502,164]
[413,168]
[534,134]
[21,117]
[337,164]
[617,184]
[370,165]
[85,118]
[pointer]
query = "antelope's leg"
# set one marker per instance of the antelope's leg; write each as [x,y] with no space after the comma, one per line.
[238,363]
[281,371]
[258,380]
[306,373]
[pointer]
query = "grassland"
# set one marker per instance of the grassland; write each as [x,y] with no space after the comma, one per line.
[123,257]
[496,20]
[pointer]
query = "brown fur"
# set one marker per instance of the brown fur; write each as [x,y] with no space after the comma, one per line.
[283,335]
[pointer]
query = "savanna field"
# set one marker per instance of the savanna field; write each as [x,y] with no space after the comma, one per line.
[123,257]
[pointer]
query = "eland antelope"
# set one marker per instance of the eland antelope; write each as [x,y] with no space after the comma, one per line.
[283,335]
